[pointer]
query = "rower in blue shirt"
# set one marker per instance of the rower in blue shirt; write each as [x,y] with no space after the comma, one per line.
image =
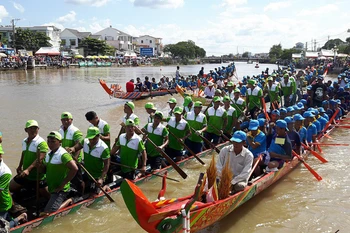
[300,128]
[293,135]
[281,148]
[320,119]
[323,113]
[311,130]
[315,122]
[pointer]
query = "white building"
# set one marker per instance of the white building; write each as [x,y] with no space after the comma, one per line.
[147,41]
[71,38]
[116,38]
[50,31]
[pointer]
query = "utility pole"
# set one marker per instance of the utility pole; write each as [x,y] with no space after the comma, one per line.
[315,45]
[306,46]
[13,22]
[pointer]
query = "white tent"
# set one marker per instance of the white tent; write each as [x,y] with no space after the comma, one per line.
[50,51]
[328,53]
[130,54]
[296,55]
[311,54]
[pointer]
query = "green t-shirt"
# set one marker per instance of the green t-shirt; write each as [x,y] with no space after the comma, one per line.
[230,116]
[273,91]
[104,129]
[180,130]
[294,85]
[134,118]
[239,105]
[5,196]
[29,152]
[94,157]
[129,151]
[1,150]
[70,137]
[216,119]
[197,123]
[56,169]
[254,97]
[286,88]
[156,135]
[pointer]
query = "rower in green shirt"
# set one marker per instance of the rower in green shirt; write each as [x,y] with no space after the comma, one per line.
[238,103]
[150,109]
[60,170]
[158,134]
[178,129]
[130,145]
[231,117]
[33,147]
[217,121]
[102,125]
[198,124]
[254,95]
[272,89]
[287,89]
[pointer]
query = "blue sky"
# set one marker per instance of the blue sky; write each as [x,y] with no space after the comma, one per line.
[219,26]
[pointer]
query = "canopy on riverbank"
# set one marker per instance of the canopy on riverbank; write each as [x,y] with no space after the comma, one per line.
[50,51]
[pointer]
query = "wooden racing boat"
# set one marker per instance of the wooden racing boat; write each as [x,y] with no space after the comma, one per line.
[116,92]
[29,226]
[167,216]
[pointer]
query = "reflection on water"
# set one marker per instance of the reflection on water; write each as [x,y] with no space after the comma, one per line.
[298,203]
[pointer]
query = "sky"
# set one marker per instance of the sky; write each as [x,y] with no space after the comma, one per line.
[218,26]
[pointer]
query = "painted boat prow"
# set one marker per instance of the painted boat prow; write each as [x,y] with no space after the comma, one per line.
[105,87]
[139,206]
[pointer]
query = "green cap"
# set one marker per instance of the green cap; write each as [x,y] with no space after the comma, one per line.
[226,98]
[130,122]
[159,114]
[251,81]
[218,91]
[66,115]
[217,99]
[229,84]
[150,105]
[237,90]
[273,75]
[55,134]
[187,101]
[172,101]
[92,132]
[198,104]
[270,79]
[31,123]
[286,76]
[178,110]
[131,105]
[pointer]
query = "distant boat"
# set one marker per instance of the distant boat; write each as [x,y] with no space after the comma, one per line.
[249,62]
[257,65]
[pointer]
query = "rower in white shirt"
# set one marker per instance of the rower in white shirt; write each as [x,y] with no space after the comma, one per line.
[209,90]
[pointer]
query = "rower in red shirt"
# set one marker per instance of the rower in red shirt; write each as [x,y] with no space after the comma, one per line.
[130,86]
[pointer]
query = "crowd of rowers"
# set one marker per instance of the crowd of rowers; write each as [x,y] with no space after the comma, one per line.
[53,164]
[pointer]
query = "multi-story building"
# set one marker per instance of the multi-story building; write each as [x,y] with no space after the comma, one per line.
[71,38]
[147,41]
[50,31]
[116,38]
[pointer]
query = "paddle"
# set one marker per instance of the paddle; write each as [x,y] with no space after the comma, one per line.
[206,109]
[168,159]
[343,126]
[264,108]
[206,140]
[222,134]
[329,123]
[37,181]
[314,153]
[330,144]
[317,176]
[187,148]
[236,106]
[93,179]
[255,165]
[136,169]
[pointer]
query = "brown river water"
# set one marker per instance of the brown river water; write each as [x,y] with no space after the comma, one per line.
[297,203]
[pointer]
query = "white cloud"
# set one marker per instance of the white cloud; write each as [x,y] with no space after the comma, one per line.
[322,10]
[99,25]
[57,25]
[3,12]
[233,2]
[18,7]
[274,6]
[70,17]
[96,3]
[158,3]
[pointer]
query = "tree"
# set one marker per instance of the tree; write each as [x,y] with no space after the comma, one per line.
[275,52]
[287,53]
[333,42]
[29,40]
[94,46]
[185,49]
[245,54]
[299,46]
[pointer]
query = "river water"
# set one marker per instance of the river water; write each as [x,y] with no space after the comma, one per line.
[297,203]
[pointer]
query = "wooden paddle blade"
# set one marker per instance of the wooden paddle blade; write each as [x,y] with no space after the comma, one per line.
[313,172]
[317,155]
[343,126]
[330,144]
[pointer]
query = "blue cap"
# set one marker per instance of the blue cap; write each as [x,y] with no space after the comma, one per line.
[309,88]
[290,109]
[298,117]
[324,102]
[261,121]
[332,102]
[276,112]
[300,105]
[253,125]
[341,89]
[296,107]
[315,111]
[289,120]
[238,136]
[320,77]
[283,110]
[304,101]
[308,114]
[338,101]
[261,115]
[281,124]
[321,110]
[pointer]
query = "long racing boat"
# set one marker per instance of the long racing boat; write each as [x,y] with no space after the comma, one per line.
[29,226]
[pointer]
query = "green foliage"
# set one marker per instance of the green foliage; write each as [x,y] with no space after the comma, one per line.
[276,51]
[331,43]
[185,49]
[245,54]
[29,40]
[287,53]
[94,46]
